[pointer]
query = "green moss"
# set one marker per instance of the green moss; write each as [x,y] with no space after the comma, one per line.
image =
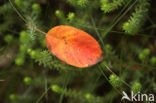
[19,61]
[115,81]
[36,8]
[8,38]
[27,80]
[136,87]
[153,60]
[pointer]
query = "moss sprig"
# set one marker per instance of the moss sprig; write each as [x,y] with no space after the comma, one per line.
[115,81]
[136,87]
[138,18]
[81,3]
[108,6]
[76,94]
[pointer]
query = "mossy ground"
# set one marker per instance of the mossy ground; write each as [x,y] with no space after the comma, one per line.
[29,73]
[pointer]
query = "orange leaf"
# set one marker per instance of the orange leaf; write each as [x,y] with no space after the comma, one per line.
[73,46]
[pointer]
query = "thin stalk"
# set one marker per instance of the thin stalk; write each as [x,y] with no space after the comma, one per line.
[35,29]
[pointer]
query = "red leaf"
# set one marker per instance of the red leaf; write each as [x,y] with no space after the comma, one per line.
[73,46]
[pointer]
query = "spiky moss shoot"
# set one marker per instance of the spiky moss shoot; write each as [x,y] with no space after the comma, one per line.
[108,47]
[19,3]
[71,16]
[142,57]
[136,87]
[23,48]
[115,81]
[153,60]
[60,15]
[56,88]
[29,50]
[24,38]
[144,54]
[146,51]
[72,2]
[128,28]
[89,96]
[34,54]
[8,38]
[136,21]
[36,8]
[108,6]
[82,3]
[12,97]
[43,43]
[19,61]
[27,80]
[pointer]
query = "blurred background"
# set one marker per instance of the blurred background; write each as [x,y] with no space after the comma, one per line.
[29,73]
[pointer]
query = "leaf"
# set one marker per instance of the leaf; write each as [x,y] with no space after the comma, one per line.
[73,46]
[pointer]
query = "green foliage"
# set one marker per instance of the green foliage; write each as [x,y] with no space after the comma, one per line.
[42,57]
[19,61]
[142,57]
[60,15]
[107,5]
[24,38]
[23,48]
[57,89]
[19,3]
[46,59]
[136,21]
[43,43]
[136,87]
[108,47]
[34,54]
[7,18]
[81,3]
[72,2]
[36,8]
[27,63]
[115,81]
[153,60]
[76,95]
[13,97]
[146,51]
[8,38]
[27,80]
[144,54]
[71,16]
